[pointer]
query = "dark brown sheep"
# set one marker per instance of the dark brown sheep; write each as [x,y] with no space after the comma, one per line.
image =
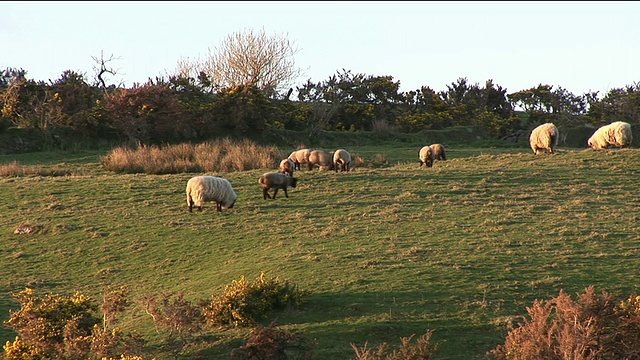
[276,181]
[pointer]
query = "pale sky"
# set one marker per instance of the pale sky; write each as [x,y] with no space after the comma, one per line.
[580,46]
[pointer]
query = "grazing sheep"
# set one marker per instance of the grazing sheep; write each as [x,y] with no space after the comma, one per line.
[300,157]
[320,158]
[276,180]
[341,160]
[616,134]
[544,138]
[426,156]
[287,166]
[438,152]
[201,189]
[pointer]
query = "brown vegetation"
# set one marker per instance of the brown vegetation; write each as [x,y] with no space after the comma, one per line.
[224,155]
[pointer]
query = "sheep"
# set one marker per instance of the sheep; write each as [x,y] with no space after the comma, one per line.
[341,160]
[287,166]
[438,152]
[544,138]
[426,156]
[300,157]
[320,158]
[276,180]
[616,134]
[201,189]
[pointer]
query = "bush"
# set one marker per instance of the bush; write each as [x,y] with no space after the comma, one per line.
[57,327]
[269,342]
[593,327]
[243,303]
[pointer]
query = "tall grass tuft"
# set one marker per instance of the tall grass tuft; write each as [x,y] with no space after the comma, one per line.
[225,155]
[15,169]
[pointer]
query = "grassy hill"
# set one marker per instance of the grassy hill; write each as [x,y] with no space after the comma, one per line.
[386,252]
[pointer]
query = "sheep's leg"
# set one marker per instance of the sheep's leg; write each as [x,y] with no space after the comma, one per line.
[275,191]
[218,206]
[285,193]
[265,194]
[190,205]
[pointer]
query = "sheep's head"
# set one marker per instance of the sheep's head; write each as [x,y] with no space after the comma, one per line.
[293,182]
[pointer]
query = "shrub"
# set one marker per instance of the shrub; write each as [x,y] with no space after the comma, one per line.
[269,342]
[244,303]
[182,320]
[57,327]
[593,327]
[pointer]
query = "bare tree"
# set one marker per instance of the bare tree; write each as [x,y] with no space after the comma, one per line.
[250,58]
[186,68]
[101,68]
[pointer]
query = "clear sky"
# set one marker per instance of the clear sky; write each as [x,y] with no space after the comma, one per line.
[580,46]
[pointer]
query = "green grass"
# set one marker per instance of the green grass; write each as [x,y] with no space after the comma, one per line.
[461,248]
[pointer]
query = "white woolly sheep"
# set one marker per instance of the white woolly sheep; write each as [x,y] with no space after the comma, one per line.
[341,160]
[276,180]
[320,158]
[287,166]
[616,134]
[438,152]
[201,189]
[300,157]
[544,138]
[426,156]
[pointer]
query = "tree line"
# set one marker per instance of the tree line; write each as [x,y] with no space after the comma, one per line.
[239,92]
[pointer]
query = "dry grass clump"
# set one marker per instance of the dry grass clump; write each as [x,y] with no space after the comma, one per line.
[224,155]
[14,169]
[421,349]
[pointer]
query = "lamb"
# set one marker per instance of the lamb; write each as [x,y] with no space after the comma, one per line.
[341,160]
[438,152]
[320,158]
[201,189]
[287,166]
[300,157]
[616,134]
[544,138]
[276,180]
[426,156]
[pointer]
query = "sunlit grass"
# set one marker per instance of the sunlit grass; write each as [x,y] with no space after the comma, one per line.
[387,250]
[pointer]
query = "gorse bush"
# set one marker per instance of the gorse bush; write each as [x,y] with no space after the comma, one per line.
[244,303]
[57,327]
[224,155]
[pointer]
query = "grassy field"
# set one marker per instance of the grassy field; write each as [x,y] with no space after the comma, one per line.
[386,252]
